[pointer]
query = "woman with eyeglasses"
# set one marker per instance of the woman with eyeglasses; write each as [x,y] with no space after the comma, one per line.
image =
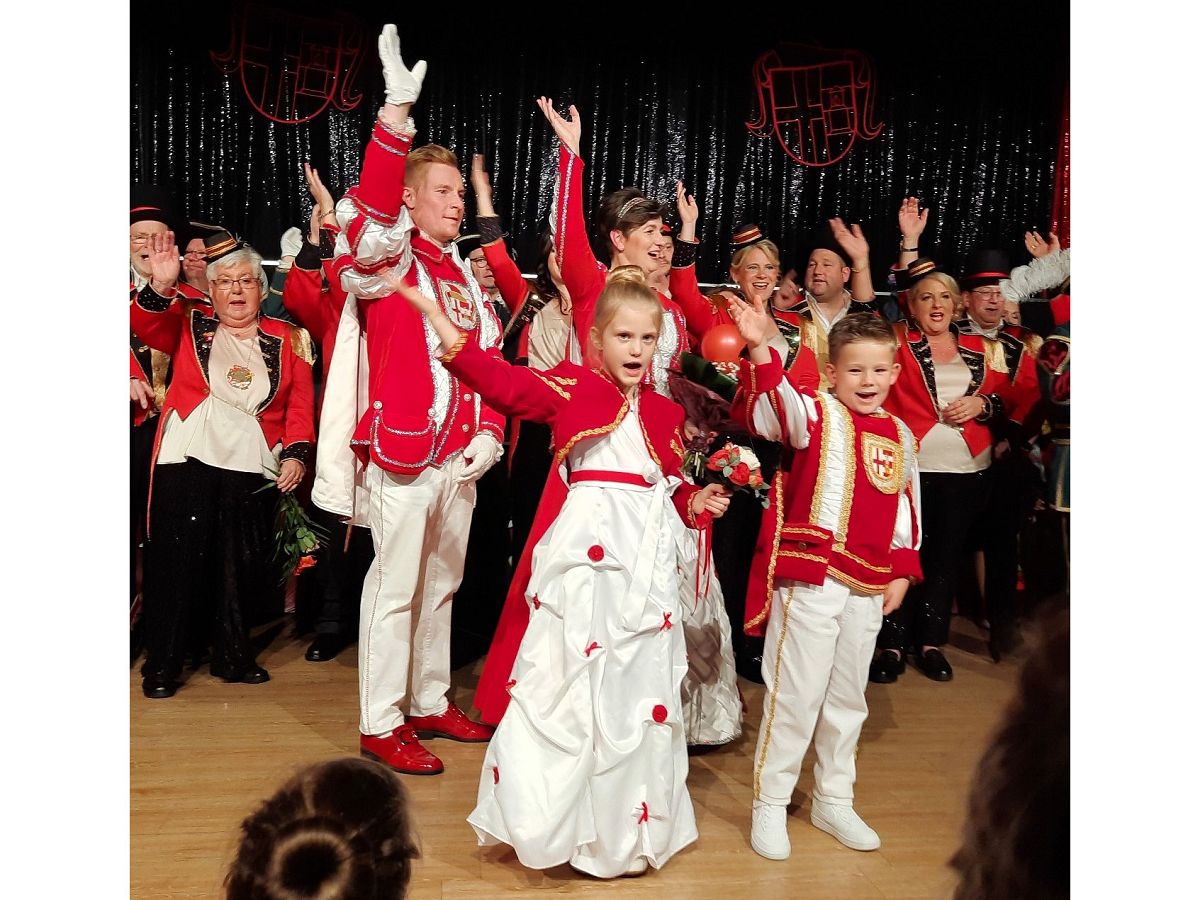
[239,409]
[631,226]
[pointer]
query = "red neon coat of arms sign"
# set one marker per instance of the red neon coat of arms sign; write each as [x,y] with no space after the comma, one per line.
[291,66]
[815,101]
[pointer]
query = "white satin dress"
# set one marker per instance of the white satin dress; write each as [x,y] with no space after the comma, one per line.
[589,763]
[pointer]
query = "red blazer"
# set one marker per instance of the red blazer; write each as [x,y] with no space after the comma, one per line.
[399,430]
[914,396]
[316,307]
[185,329]
[578,404]
[141,360]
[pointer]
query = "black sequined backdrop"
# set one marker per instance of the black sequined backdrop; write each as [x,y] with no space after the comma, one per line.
[970,103]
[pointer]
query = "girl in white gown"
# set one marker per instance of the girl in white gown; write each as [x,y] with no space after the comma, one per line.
[589,763]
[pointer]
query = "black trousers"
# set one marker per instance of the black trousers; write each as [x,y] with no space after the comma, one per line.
[734,536]
[339,573]
[208,563]
[950,506]
[530,467]
[141,450]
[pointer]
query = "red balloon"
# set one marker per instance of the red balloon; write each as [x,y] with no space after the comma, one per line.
[723,343]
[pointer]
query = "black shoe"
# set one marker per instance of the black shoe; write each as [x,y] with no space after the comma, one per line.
[327,646]
[934,665]
[749,667]
[886,667]
[1001,643]
[158,687]
[252,675]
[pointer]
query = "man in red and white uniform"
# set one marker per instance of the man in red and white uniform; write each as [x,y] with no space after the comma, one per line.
[423,437]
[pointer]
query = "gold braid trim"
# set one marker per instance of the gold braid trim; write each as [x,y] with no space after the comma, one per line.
[885,570]
[851,453]
[302,344]
[649,446]
[797,554]
[591,432]
[852,582]
[455,348]
[563,380]
[766,744]
[777,487]
[550,384]
[826,435]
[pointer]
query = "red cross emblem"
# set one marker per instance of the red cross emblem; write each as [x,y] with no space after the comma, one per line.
[883,462]
[459,307]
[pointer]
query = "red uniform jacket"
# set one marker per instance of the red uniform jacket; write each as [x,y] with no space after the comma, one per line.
[914,396]
[316,307]
[578,404]
[585,276]
[846,508]
[184,328]
[145,367]
[415,418]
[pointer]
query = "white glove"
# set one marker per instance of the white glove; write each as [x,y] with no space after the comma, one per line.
[401,85]
[291,242]
[481,454]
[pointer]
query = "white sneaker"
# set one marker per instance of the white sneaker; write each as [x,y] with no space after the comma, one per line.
[845,825]
[768,831]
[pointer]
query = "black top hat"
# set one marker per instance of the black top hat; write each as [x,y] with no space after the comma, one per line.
[468,244]
[193,230]
[984,267]
[153,203]
[220,243]
[821,239]
[917,269]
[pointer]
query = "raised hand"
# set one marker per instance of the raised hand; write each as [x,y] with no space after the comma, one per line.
[322,199]
[568,130]
[689,212]
[853,242]
[402,85]
[753,321]
[163,262]
[481,184]
[1038,246]
[912,220]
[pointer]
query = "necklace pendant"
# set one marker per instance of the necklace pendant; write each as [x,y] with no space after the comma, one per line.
[239,377]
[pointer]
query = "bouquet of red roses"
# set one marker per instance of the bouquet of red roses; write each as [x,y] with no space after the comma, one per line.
[733,466]
[297,537]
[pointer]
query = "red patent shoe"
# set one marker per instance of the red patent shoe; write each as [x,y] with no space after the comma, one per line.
[401,751]
[453,724]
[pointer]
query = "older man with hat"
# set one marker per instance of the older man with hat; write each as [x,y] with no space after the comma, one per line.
[1014,350]
[151,212]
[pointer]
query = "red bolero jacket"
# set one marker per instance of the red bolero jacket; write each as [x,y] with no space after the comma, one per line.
[184,328]
[914,395]
[578,404]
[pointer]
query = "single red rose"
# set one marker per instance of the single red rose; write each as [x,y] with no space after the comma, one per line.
[740,475]
[305,562]
[756,479]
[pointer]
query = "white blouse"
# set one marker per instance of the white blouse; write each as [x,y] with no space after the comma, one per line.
[944,449]
[223,431]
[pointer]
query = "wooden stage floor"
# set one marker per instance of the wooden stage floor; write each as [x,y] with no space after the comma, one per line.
[203,760]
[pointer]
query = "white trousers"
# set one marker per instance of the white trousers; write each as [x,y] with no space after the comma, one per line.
[819,643]
[419,526]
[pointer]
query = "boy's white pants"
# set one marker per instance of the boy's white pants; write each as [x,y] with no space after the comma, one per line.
[419,526]
[819,644]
